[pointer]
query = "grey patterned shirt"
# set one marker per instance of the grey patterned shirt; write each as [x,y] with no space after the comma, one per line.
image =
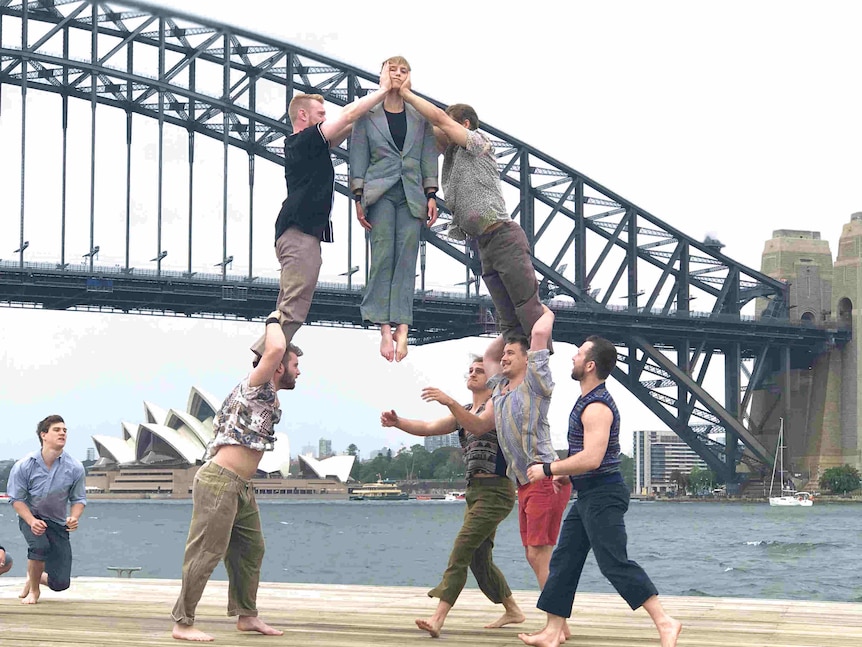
[471,186]
[247,417]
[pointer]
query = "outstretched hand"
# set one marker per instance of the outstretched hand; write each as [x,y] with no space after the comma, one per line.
[431,394]
[389,419]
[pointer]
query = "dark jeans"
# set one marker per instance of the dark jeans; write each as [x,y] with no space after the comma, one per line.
[595,522]
[489,501]
[53,548]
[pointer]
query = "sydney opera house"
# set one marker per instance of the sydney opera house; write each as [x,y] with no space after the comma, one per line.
[158,458]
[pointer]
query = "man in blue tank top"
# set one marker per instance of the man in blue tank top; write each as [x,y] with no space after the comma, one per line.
[596,520]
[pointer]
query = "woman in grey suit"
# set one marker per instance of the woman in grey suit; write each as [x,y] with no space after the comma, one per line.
[393,177]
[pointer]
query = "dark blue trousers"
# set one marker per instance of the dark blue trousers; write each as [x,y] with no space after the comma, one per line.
[594,522]
[53,548]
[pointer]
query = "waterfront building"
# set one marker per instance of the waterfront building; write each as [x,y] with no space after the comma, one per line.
[159,458]
[436,442]
[657,454]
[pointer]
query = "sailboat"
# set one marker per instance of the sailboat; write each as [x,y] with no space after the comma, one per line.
[798,499]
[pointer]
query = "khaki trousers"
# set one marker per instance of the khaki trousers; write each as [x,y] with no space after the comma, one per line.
[225,525]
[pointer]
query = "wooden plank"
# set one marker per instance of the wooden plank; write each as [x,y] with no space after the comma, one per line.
[136,613]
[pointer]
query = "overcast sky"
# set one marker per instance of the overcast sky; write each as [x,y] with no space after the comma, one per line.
[730,118]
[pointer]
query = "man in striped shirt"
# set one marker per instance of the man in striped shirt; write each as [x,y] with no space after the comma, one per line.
[519,374]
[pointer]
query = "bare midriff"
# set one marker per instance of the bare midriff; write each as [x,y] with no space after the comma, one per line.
[242,461]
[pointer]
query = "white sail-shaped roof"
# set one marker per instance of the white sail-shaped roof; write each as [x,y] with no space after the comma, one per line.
[114,449]
[180,420]
[154,413]
[130,432]
[174,444]
[278,460]
[338,466]
[202,405]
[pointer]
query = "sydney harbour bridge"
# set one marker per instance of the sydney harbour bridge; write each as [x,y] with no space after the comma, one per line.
[145,136]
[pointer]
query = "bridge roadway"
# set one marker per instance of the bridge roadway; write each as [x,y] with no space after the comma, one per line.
[438,315]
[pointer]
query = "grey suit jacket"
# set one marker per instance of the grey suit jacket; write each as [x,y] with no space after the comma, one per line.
[376,164]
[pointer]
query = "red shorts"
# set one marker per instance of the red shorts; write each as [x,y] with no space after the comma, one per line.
[540,511]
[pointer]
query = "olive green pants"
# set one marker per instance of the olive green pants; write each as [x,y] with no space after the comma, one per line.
[489,501]
[225,525]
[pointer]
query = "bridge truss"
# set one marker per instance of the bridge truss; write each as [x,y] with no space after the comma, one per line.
[605,265]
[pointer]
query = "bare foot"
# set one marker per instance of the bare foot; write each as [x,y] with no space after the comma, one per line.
[253,623]
[430,626]
[31,598]
[543,638]
[669,631]
[400,338]
[43,580]
[188,632]
[566,633]
[387,347]
[507,619]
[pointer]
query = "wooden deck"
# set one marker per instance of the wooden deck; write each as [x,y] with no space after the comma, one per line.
[135,613]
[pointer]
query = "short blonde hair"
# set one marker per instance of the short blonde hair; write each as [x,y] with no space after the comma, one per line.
[397,60]
[299,102]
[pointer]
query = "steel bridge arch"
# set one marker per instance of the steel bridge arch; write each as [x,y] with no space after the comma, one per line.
[570,219]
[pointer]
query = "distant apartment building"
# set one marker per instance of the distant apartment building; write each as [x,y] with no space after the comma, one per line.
[436,442]
[91,454]
[657,454]
[324,448]
[307,450]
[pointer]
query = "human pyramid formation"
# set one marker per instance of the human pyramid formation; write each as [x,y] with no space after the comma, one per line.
[506,444]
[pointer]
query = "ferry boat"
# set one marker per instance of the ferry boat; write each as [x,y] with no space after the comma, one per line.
[379,491]
[455,496]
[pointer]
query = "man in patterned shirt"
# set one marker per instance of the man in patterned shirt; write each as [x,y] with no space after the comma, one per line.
[225,518]
[522,385]
[490,498]
[471,186]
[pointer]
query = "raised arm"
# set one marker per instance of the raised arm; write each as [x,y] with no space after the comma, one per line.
[446,129]
[493,357]
[439,427]
[339,127]
[274,348]
[478,425]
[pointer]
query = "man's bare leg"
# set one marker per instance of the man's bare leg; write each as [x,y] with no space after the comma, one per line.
[189,632]
[434,624]
[6,567]
[42,580]
[550,636]
[253,623]
[387,346]
[539,558]
[35,573]
[668,628]
[400,337]
[512,616]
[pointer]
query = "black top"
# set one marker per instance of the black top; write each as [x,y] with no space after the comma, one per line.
[310,182]
[397,127]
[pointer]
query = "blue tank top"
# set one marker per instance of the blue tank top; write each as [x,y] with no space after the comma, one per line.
[610,466]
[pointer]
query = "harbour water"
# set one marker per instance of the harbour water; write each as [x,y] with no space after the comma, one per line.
[709,549]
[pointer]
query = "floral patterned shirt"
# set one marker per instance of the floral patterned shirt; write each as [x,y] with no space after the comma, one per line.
[247,418]
[471,186]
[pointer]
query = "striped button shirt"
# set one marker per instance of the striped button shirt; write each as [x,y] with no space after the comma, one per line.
[521,417]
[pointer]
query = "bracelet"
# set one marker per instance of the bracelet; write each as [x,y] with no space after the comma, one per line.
[272,320]
[357,197]
[546,467]
[431,194]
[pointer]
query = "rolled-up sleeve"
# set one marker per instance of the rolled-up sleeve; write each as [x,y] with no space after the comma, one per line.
[16,486]
[78,491]
[539,379]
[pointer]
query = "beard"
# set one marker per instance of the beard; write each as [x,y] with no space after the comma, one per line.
[577,375]
[287,382]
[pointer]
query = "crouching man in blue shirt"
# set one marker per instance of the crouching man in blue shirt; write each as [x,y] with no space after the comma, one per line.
[40,486]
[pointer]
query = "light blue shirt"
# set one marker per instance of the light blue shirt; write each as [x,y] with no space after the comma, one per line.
[47,492]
